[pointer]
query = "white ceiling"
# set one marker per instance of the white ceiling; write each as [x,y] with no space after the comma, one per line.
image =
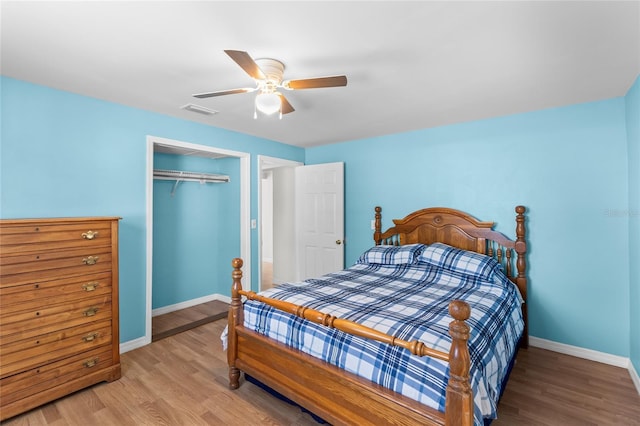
[410,65]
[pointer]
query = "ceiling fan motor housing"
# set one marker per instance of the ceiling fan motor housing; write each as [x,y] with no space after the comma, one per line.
[273,71]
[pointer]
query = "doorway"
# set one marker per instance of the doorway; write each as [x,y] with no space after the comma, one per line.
[168,146]
[276,248]
[301,213]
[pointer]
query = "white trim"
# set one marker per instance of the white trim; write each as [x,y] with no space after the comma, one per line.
[634,376]
[605,358]
[134,344]
[245,207]
[264,161]
[149,233]
[188,304]
[245,215]
[223,298]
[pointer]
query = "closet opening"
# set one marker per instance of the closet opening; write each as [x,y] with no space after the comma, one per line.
[197,221]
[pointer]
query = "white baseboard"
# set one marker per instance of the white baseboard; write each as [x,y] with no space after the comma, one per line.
[134,344]
[634,376]
[189,303]
[223,298]
[605,358]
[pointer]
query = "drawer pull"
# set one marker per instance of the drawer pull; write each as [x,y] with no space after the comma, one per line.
[90,312]
[91,260]
[92,286]
[91,363]
[90,337]
[89,235]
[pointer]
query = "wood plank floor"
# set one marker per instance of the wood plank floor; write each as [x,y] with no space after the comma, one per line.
[548,388]
[182,380]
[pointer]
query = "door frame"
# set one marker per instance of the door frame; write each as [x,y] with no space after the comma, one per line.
[264,163]
[245,205]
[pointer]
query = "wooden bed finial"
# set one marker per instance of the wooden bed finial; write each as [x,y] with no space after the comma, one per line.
[378,225]
[459,310]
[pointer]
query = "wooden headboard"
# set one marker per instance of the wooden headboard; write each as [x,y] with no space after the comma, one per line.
[461,230]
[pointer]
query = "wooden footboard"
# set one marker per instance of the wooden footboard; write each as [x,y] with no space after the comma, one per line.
[333,394]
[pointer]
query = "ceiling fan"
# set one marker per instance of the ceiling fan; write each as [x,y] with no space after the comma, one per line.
[268,76]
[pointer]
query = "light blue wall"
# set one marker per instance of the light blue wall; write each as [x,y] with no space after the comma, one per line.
[575,168]
[63,154]
[195,231]
[568,166]
[633,136]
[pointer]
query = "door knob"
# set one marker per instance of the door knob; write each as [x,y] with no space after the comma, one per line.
[338,242]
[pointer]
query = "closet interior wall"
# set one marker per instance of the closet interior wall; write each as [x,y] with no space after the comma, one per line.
[196,230]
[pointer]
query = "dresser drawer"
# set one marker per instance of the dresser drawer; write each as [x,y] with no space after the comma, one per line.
[23,269]
[22,385]
[20,297]
[21,355]
[31,323]
[54,259]
[34,237]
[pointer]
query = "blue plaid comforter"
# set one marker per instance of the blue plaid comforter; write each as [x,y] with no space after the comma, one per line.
[409,301]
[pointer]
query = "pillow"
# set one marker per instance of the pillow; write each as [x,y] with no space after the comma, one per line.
[392,255]
[462,261]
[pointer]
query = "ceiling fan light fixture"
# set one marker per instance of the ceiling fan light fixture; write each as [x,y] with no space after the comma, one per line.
[267,74]
[268,103]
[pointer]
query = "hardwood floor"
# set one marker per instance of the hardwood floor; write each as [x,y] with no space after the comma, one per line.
[548,388]
[182,380]
[179,380]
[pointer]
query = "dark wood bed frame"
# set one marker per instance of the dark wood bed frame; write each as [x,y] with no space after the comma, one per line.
[340,397]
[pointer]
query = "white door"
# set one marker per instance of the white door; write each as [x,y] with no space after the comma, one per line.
[319,200]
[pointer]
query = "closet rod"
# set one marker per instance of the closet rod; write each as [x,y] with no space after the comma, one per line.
[189,176]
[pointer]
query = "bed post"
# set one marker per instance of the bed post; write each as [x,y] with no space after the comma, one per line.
[378,226]
[459,399]
[236,317]
[521,265]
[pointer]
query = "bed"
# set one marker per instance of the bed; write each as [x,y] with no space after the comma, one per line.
[266,337]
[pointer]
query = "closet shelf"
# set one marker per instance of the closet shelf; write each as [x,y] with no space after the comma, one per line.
[189,176]
[179,176]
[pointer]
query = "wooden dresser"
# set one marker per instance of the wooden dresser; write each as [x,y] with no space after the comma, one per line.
[58,308]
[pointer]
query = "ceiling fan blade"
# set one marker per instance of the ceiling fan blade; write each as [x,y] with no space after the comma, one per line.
[313,83]
[247,63]
[286,106]
[224,92]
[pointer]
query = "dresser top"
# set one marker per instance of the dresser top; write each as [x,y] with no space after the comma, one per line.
[27,221]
